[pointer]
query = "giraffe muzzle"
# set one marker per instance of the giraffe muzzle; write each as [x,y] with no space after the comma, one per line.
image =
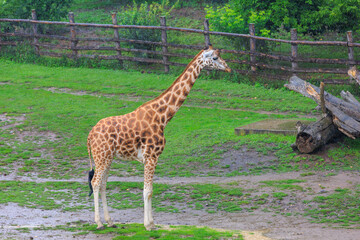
[228,70]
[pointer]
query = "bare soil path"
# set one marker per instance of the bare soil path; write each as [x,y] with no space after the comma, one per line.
[20,223]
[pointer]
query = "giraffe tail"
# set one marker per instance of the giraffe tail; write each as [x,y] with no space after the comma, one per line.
[91,172]
[91,175]
[89,152]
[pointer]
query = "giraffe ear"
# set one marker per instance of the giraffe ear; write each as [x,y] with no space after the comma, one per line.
[208,47]
[208,54]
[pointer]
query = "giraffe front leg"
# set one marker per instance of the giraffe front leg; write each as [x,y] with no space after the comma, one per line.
[151,219]
[149,170]
[148,219]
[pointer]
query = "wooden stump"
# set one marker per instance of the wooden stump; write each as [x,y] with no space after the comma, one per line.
[315,135]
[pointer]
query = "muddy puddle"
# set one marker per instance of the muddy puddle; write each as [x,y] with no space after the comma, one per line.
[14,219]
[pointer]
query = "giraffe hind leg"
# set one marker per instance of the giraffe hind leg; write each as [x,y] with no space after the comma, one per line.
[96,188]
[96,185]
[99,187]
[104,201]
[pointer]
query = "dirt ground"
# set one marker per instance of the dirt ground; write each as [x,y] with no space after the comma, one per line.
[265,225]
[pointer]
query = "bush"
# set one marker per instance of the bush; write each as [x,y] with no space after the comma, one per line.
[51,10]
[147,15]
[234,19]
[228,19]
[45,9]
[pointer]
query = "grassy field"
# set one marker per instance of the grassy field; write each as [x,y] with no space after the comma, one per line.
[46,114]
[68,102]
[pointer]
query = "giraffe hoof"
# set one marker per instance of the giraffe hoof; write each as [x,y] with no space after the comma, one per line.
[150,227]
[100,228]
[113,226]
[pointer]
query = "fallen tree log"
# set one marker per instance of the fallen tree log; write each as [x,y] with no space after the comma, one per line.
[348,97]
[341,115]
[311,91]
[316,134]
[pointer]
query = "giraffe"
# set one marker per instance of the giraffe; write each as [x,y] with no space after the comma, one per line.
[139,135]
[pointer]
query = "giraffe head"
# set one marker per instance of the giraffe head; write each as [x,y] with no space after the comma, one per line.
[211,58]
[352,72]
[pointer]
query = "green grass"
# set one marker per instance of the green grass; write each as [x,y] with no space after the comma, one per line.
[284,184]
[72,196]
[137,231]
[307,174]
[81,97]
[217,93]
[340,208]
[280,195]
[49,195]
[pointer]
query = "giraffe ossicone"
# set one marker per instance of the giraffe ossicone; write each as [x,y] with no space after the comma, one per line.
[139,135]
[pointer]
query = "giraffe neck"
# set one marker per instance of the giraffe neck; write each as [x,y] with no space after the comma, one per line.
[169,102]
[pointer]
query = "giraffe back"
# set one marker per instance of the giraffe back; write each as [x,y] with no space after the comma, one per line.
[134,136]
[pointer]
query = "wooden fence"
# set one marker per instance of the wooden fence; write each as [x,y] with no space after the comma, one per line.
[252,53]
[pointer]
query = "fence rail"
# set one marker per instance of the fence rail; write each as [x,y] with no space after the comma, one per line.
[253,53]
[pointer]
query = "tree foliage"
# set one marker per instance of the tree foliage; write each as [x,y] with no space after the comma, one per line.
[308,16]
[232,18]
[147,15]
[45,9]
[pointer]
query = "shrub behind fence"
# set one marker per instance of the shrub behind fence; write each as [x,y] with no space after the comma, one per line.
[256,57]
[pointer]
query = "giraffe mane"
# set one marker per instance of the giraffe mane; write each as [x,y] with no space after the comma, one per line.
[163,93]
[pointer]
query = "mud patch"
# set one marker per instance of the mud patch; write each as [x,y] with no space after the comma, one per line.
[24,147]
[124,97]
[273,226]
[21,223]
[9,121]
[244,159]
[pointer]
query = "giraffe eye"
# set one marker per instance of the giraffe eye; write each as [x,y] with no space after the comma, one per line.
[215,58]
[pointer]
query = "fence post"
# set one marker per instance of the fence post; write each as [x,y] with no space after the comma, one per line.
[164,42]
[73,35]
[0,38]
[294,49]
[206,34]
[35,27]
[350,48]
[252,47]
[117,38]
